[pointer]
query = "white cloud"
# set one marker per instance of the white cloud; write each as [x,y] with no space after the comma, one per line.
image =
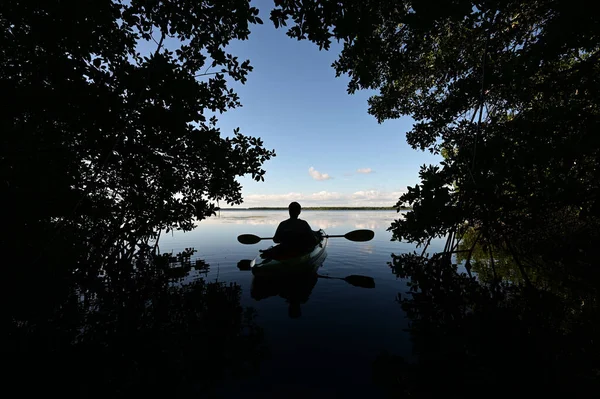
[267,199]
[390,198]
[285,199]
[370,194]
[324,198]
[315,174]
[365,170]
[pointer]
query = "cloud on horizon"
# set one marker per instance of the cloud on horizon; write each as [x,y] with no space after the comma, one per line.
[315,174]
[365,170]
[324,198]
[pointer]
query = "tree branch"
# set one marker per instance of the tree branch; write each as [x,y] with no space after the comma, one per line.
[206,74]
[426,246]
[160,43]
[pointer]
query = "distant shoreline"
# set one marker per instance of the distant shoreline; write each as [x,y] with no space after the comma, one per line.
[322,208]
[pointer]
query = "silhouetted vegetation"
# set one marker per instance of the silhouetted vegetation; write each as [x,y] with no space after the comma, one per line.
[104,137]
[156,327]
[109,136]
[507,94]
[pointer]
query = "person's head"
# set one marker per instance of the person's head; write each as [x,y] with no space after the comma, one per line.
[295,210]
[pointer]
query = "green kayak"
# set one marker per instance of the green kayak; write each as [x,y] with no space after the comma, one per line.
[274,262]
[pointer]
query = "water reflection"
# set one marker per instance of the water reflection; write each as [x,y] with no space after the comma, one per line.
[146,326]
[344,320]
[295,290]
[324,223]
[492,333]
[366,248]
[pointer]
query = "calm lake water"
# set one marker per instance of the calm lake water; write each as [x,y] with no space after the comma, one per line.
[328,351]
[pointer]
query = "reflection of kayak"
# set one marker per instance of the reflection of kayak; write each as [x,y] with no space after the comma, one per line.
[295,288]
[292,279]
[278,260]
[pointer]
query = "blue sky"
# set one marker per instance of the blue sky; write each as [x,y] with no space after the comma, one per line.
[294,102]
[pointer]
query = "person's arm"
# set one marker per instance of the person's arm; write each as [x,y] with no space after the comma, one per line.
[277,236]
[312,233]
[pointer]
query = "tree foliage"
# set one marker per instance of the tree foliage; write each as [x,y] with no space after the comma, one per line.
[100,134]
[507,90]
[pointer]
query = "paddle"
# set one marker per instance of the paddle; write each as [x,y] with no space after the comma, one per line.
[356,235]
[244,264]
[355,280]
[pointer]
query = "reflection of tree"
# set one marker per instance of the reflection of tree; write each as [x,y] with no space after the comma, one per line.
[555,268]
[137,332]
[474,337]
[488,261]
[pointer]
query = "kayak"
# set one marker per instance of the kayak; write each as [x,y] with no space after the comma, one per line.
[274,262]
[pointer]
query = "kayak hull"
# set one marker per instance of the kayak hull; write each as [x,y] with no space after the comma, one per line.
[295,264]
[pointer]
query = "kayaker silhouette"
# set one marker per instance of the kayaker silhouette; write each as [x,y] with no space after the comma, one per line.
[295,233]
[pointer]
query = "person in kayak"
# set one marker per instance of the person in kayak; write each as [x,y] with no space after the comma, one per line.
[295,233]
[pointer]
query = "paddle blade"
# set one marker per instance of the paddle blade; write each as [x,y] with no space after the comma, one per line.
[248,239]
[360,235]
[360,281]
[245,264]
